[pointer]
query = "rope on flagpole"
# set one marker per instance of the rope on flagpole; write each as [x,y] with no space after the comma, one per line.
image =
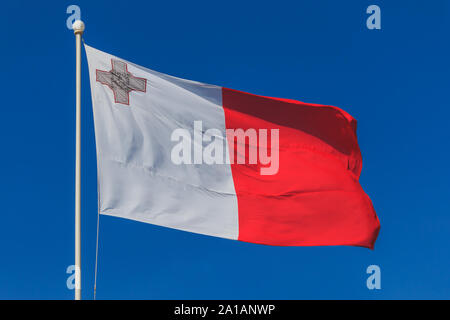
[96,255]
[98,232]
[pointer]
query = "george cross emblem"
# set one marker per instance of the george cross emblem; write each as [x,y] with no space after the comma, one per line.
[121,82]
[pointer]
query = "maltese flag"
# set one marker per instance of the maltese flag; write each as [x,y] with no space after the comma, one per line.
[221,162]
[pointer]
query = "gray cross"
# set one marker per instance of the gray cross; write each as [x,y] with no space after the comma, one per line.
[120,81]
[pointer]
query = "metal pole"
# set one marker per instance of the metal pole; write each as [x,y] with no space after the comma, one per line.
[78,28]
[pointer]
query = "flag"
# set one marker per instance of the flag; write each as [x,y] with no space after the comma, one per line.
[221,162]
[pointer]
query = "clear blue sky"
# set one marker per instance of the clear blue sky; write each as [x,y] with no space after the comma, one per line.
[394,81]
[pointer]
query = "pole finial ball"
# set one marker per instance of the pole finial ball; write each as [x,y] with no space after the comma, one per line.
[78,26]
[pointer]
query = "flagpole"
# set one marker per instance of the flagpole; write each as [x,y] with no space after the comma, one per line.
[78,28]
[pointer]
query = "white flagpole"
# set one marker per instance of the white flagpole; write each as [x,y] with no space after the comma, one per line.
[78,28]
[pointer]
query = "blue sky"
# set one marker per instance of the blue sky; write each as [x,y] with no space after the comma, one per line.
[394,81]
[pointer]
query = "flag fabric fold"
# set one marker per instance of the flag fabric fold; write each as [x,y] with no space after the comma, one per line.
[220,162]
